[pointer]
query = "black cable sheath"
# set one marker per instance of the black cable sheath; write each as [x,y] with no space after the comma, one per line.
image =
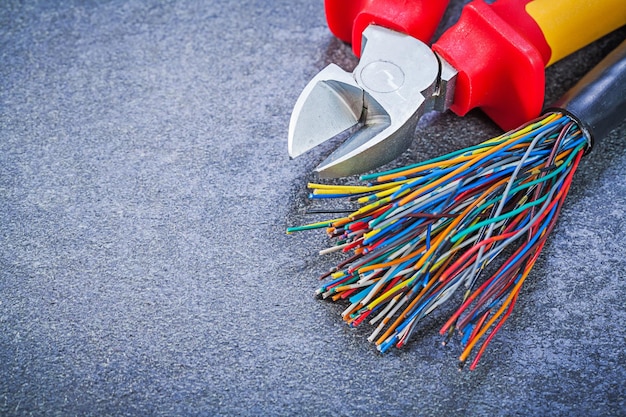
[598,101]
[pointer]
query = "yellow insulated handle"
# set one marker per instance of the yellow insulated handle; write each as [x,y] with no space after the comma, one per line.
[569,25]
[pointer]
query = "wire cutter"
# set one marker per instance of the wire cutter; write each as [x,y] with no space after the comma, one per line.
[492,58]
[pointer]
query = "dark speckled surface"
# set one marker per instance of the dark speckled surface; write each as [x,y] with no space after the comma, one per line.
[144,270]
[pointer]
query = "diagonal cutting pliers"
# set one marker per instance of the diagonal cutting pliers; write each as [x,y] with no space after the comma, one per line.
[493,58]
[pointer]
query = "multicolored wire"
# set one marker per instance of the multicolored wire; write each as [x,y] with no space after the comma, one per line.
[423,232]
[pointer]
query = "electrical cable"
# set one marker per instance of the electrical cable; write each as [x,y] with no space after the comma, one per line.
[424,231]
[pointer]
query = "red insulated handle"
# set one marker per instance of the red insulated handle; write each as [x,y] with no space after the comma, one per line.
[347,19]
[500,53]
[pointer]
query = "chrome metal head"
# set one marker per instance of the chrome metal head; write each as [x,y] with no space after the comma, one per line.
[397,80]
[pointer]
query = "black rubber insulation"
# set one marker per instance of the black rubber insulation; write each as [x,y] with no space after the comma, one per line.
[598,101]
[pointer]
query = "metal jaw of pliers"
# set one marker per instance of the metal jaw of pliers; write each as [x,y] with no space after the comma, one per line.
[397,80]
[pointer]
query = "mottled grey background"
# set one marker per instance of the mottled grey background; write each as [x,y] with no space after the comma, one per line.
[144,269]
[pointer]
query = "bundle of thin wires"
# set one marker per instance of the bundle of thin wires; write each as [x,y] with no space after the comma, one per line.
[475,220]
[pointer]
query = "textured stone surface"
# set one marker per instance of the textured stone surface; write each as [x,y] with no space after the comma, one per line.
[144,269]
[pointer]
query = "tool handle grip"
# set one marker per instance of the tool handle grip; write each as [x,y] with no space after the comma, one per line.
[501,50]
[347,19]
[569,26]
[598,100]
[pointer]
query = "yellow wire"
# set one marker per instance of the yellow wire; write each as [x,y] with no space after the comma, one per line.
[352,189]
